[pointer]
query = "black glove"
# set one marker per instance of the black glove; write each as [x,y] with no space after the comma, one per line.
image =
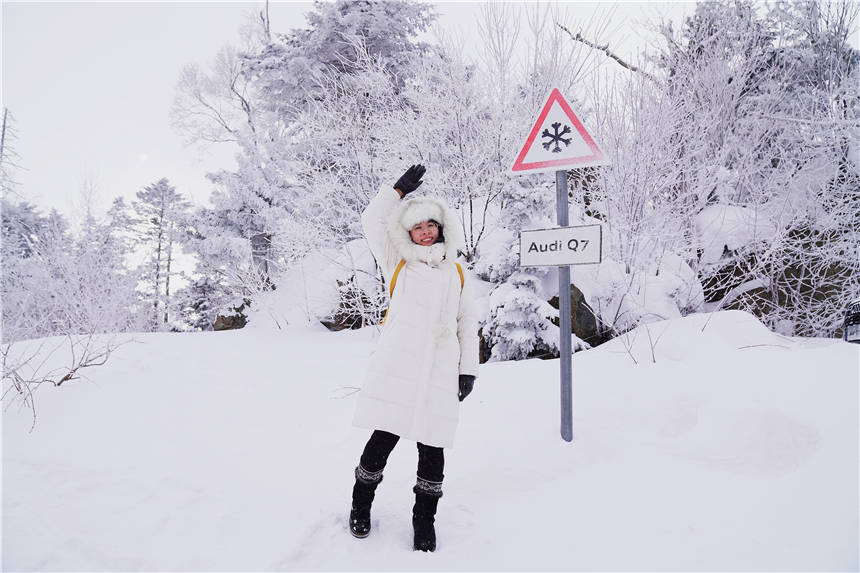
[411,180]
[467,382]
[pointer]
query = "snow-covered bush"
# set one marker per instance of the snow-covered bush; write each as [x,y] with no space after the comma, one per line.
[55,282]
[622,300]
[334,286]
[519,324]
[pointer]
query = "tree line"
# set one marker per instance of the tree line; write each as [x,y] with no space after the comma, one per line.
[733,180]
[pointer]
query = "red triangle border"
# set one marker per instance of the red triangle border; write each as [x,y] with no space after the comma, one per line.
[555,96]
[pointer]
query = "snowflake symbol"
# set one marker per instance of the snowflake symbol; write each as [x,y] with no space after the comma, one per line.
[554,138]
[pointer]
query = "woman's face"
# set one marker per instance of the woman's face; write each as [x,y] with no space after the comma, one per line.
[425,233]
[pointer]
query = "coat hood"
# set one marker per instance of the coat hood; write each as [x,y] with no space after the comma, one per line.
[415,210]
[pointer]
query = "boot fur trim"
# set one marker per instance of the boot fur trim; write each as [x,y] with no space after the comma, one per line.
[367,477]
[427,487]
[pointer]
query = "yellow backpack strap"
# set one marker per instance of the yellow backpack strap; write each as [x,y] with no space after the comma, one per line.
[394,282]
[394,277]
[391,287]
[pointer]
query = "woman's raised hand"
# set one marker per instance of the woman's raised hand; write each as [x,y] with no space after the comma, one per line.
[411,180]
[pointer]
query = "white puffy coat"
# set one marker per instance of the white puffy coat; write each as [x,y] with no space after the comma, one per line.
[431,333]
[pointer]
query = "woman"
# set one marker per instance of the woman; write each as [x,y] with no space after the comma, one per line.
[427,355]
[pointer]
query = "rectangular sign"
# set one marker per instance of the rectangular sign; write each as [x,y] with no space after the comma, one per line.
[561,246]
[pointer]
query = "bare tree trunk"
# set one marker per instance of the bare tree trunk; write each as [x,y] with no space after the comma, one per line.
[160,223]
[267,23]
[3,134]
[167,276]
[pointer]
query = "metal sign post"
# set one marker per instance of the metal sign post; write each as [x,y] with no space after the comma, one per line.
[559,141]
[565,354]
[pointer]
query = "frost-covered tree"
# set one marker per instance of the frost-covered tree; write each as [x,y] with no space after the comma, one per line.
[768,106]
[326,92]
[199,303]
[305,110]
[162,218]
[291,70]
[73,291]
[224,275]
[649,241]
[106,294]
[344,149]
[59,283]
[727,161]
[261,99]
[520,324]
[219,106]
[9,157]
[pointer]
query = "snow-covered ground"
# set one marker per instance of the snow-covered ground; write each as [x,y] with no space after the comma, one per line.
[728,448]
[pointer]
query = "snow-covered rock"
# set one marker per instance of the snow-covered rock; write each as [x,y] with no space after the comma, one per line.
[731,227]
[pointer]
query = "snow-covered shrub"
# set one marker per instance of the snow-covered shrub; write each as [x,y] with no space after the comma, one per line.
[497,258]
[201,302]
[55,282]
[622,300]
[519,324]
[362,298]
[319,286]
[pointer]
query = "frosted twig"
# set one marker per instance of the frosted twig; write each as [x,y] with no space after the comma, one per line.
[352,390]
[627,346]
[652,343]
[605,49]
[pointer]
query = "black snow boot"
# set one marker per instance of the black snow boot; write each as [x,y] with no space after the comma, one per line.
[424,514]
[363,493]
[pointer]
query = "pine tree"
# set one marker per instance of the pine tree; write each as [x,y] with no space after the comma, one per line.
[520,324]
[162,217]
[200,302]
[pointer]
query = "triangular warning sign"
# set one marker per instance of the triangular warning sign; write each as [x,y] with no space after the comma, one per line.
[558,141]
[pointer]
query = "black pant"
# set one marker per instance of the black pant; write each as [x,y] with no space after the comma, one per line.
[431,460]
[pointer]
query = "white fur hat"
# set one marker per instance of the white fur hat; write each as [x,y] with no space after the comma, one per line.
[418,211]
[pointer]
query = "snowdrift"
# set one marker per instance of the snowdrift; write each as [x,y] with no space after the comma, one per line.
[701,443]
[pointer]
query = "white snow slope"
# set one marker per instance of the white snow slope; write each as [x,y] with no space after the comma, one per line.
[729,448]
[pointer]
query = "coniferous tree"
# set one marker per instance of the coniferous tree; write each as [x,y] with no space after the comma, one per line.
[162,217]
[199,303]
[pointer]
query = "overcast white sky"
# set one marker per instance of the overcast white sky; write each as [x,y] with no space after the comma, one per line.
[90,86]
